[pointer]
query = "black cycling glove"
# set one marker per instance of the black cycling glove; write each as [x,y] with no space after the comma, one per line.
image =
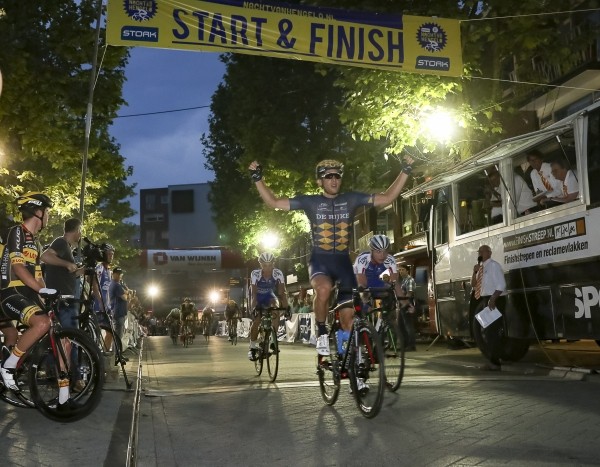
[406,168]
[256,174]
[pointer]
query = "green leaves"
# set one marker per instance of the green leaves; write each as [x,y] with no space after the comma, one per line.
[46,51]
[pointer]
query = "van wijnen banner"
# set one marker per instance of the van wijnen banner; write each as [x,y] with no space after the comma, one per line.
[382,41]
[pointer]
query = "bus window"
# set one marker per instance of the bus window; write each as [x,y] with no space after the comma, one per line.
[593,155]
[480,197]
[440,217]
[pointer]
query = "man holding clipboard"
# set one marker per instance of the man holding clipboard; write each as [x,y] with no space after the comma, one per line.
[489,290]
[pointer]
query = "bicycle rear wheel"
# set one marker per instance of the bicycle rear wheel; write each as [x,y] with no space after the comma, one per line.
[84,364]
[328,370]
[272,354]
[366,370]
[393,348]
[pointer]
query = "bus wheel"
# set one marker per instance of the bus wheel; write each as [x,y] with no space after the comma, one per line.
[481,341]
[513,349]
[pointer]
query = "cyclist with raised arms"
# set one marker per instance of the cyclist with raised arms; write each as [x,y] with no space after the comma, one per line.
[331,215]
[267,286]
[21,284]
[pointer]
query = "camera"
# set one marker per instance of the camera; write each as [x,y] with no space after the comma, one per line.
[92,253]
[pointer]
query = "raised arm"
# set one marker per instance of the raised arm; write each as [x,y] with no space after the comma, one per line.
[389,195]
[265,192]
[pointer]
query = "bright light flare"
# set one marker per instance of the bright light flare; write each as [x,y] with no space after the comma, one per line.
[439,125]
[153,291]
[269,240]
[214,295]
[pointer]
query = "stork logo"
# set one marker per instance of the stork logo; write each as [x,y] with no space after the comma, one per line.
[160,258]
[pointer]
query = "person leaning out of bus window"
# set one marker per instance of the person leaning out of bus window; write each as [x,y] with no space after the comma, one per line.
[568,180]
[489,289]
[494,197]
[544,184]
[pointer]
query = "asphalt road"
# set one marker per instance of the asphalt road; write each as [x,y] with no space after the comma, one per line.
[204,405]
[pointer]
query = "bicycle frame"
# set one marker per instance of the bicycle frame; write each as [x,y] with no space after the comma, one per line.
[87,311]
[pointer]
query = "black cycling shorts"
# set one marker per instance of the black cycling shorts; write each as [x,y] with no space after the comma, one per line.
[337,268]
[15,305]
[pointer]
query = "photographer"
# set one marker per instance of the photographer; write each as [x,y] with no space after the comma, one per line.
[100,257]
[119,296]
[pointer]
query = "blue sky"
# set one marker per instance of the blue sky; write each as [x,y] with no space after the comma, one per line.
[165,149]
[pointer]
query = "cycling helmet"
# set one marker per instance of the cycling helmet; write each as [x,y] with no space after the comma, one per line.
[266,257]
[33,200]
[107,247]
[379,242]
[329,164]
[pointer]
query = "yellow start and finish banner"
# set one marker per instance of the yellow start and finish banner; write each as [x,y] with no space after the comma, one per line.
[381,41]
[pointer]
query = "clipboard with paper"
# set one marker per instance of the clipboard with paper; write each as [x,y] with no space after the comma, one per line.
[487,316]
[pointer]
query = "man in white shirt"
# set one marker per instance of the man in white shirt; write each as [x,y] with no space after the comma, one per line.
[489,289]
[568,181]
[545,184]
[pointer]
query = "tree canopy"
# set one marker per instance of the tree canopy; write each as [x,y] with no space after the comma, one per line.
[289,115]
[46,52]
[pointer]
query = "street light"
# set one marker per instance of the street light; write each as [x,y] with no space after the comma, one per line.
[269,240]
[152,292]
[214,296]
[439,125]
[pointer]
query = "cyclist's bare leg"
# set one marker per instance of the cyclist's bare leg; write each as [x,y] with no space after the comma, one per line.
[346,317]
[38,326]
[322,286]
[254,328]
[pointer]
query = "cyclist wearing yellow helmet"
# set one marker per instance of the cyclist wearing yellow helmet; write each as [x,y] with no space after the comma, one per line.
[21,285]
[331,215]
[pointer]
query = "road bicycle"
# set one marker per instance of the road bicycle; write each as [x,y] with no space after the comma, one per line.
[62,353]
[362,361]
[232,330]
[268,346]
[174,331]
[187,334]
[99,325]
[384,317]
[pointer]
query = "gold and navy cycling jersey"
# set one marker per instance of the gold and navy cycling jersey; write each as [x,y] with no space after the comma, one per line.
[22,247]
[331,219]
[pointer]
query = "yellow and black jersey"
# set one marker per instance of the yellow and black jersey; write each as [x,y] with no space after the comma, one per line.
[22,247]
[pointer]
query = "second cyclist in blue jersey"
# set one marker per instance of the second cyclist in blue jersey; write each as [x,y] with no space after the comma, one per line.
[331,216]
[267,286]
[370,266]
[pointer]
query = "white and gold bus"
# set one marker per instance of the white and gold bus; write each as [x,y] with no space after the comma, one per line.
[550,252]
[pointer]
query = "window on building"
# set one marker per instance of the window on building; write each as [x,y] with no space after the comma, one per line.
[182,201]
[157,217]
[150,237]
[150,201]
[164,199]
[385,223]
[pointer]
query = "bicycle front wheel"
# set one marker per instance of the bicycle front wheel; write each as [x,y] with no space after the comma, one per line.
[258,363]
[23,397]
[83,367]
[272,354]
[367,370]
[328,370]
[393,348]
